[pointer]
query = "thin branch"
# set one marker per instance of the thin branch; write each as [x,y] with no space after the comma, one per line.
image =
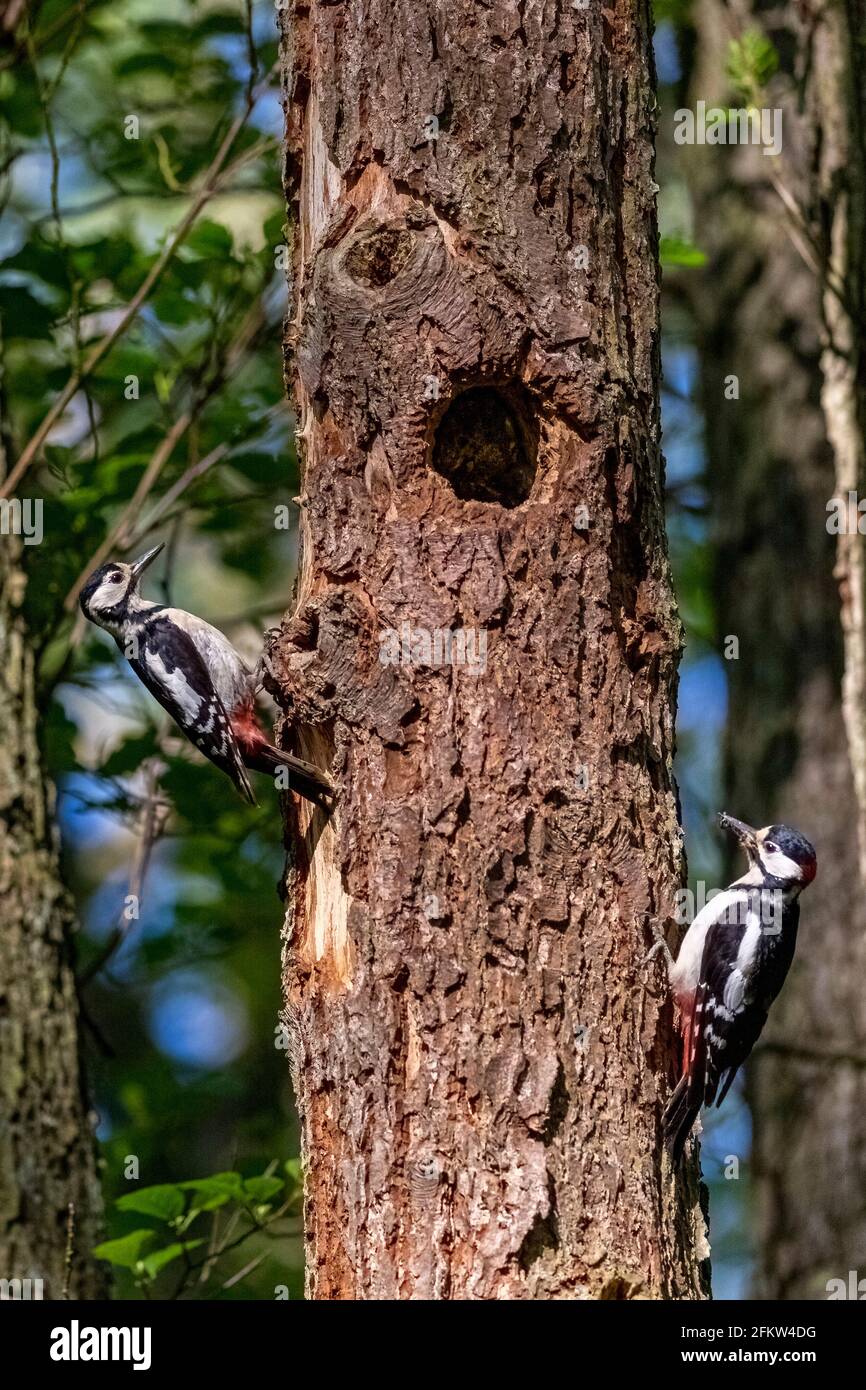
[70,1249]
[247,1269]
[68,16]
[252,55]
[218,173]
[196,470]
[153,821]
[165,503]
[45,92]
[120,534]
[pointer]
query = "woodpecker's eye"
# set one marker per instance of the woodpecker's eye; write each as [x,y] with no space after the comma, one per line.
[768,845]
[115,577]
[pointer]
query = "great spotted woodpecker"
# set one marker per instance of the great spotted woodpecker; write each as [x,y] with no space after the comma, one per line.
[196,675]
[732,963]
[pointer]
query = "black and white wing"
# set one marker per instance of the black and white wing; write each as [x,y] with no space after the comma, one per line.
[743,966]
[169,665]
[743,969]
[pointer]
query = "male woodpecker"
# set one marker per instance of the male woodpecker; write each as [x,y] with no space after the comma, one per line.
[196,674]
[732,963]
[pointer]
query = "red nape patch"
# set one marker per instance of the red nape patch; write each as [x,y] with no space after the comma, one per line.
[809,870]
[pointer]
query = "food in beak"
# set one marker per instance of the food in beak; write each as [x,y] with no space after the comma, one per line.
[747,837]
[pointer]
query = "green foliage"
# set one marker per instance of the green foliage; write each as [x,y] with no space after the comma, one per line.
[676,250]
[751,62]
[252,1209]
[675,12]
[164,1202]
[184,1007]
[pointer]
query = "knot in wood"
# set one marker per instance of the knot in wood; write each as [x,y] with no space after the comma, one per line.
[377,255]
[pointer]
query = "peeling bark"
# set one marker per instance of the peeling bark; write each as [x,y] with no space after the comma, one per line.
[474,359]
[47,1155]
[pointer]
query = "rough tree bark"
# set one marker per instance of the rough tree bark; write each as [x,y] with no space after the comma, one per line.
[47,1155]
[474,359]
[770,473]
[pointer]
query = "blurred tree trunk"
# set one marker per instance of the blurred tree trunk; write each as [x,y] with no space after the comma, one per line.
[47,1152]
[771,473]
[475,364]
[831,59]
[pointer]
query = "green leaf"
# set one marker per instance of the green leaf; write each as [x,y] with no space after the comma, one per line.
[41,259]
[276,229]
[676,12]
[219,22]
[158,1259]
[22,110]
[258,466]
[209,239]
[165,1202]
[127,1250]
[165,33]
[263,1189]
[175,308]
[294,1170]
[23,315]
[675,250]
[125,759]
[145,62]
[59,733]
[213,1192]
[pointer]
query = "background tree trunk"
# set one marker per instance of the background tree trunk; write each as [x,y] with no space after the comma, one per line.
[479,1071]
[47,1152]
[770,475]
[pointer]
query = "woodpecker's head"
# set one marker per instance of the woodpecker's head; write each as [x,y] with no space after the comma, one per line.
[105,598]
[778,856]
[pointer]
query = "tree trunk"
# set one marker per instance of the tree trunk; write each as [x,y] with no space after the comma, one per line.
[50,1203]
[770,473]
[483,651]
[832,60]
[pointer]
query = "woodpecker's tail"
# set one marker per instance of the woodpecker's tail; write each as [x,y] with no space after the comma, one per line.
[689,1095]
[305,779]
[682,1110]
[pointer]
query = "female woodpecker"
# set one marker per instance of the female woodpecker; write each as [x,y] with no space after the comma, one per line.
[197,676]
[732,964]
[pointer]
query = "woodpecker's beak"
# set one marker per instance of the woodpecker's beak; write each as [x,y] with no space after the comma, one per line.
[142,563]
[747,837]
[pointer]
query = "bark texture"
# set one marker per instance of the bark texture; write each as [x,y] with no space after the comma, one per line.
[474,358]
[771,473]
[47,1157]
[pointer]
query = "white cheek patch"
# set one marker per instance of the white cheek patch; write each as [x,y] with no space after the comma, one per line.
[781,866]
[107,595]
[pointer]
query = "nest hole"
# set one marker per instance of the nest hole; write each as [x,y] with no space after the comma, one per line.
[486,445]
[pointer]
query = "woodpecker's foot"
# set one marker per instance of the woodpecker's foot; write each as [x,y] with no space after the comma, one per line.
[263,668]
[660,948]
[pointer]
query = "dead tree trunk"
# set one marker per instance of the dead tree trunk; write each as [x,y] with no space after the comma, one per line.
[47,1155]
[484,651]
